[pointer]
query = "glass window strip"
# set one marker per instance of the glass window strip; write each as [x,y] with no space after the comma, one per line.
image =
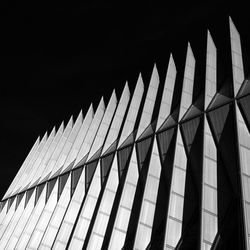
[173,227]
[122,217]
[70,216]
[21,223]
[7,229]
[103,214]
[244,139]
[209,226]
[57,217]
[144,230]
[44,218]
[31,223]
[86,213]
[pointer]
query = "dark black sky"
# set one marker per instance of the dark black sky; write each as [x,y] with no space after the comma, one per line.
[58,58]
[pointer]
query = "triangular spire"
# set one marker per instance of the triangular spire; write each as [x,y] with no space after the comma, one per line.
[171,67]
[133,111]
[211,67]
[53,131]
[79,139]
[154,81]
[126,88]
[76,127]
[36,142]
[112,100]
[190,61]
[70,123]
[65,144]
[61,128]
[125,93]
[168,91]
[104,126]
[79,117]
[118,118]
[188,82]
[148,107]
[139,80]
[45,136]
[101,106]
[90,111]
[210,43]
[68,128]
[237,62]
[85,147]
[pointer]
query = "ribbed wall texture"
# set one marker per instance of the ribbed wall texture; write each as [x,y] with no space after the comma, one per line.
[142,172]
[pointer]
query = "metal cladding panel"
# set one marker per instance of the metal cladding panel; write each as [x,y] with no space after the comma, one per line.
[43,220]
[177,189]
[149,103]
[244,151]
[67,146]
[188,82]
[86,211]
[88,140]
[4,211]
[104,126]
[120,227]
[46,158]
[104,210]
[133,111]
[22,168]
[209,215]
[80,138]
[118,118]
[56,217]
[16,233]
[237,62]
[145,223]
[23,179]
[58,150]
[167,95]
[64,232]
[38,161]
[10,212]
[7,231]
[211,64]
[176,198]
[31,222]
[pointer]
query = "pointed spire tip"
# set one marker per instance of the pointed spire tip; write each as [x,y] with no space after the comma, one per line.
[101,103]
[126,87]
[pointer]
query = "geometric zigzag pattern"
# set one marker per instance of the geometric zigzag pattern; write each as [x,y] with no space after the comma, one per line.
[140,175]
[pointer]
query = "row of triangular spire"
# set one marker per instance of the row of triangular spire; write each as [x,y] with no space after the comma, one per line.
[38,169]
